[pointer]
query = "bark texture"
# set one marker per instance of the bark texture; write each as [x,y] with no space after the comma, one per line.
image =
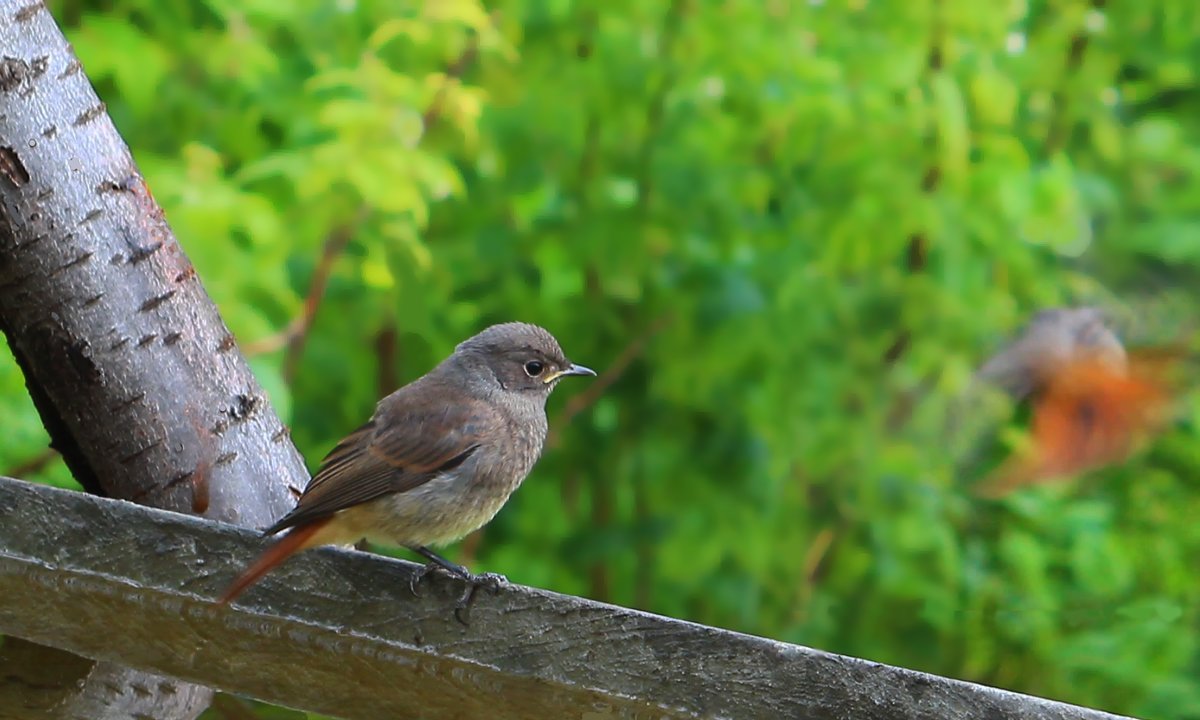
[138,381]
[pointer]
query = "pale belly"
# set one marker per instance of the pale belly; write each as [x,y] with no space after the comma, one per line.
[439,512]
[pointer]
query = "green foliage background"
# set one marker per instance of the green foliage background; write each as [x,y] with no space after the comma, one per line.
[790,230]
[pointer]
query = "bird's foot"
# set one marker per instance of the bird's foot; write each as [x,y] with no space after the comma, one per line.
[491,581]
[434,565]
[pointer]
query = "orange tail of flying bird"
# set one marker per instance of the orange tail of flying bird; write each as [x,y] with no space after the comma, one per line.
[297,539]
[1089,412]
[1092,403]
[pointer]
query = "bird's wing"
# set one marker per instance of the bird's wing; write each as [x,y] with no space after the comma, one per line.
[1089,416]
[404,445]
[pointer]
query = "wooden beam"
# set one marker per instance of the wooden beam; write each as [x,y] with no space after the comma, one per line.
[338,632]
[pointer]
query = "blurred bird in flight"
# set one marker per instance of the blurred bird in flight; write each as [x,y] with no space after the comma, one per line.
[1092,403]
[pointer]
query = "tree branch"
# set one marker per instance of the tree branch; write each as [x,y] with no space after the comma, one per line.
[1060,126]
[433,113]
[294,336]
[917,252]
[135,376]
[33,465]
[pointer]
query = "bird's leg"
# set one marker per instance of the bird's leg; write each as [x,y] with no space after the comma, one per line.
[435,561]
[491,581]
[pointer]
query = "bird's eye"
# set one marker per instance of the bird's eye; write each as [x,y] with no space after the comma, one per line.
[533,368]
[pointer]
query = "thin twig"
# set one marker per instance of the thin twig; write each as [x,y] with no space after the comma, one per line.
[35,464]
[587,398]
[1060,125]
[917,252]
[433,113]
[814,560]
[293,336]
[818,550]
[274,341]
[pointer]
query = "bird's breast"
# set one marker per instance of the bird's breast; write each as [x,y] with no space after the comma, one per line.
[456,502]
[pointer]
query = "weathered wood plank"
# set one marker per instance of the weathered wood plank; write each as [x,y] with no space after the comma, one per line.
[339,632]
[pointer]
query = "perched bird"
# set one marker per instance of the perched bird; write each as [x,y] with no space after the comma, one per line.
[1092,402]
[437,460]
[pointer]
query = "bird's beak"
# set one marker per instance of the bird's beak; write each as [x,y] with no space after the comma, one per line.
[573,370]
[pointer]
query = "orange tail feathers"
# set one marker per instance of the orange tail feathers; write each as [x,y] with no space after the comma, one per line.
[297,539]
[1088,416]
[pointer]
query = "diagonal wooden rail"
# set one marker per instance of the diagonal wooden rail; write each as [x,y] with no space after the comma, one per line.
[339,632]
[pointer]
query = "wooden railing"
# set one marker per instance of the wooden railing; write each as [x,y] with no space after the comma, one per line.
[340,632]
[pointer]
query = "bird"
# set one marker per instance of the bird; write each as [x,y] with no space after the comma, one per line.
[437,459]
[1092,401]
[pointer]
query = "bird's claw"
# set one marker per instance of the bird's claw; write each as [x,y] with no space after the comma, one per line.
[491,581]
[419,575]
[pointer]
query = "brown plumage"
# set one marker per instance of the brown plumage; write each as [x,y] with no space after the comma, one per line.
[439,457]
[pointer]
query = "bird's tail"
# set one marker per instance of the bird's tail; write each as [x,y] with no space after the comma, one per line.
[1090,415]
[296,540]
